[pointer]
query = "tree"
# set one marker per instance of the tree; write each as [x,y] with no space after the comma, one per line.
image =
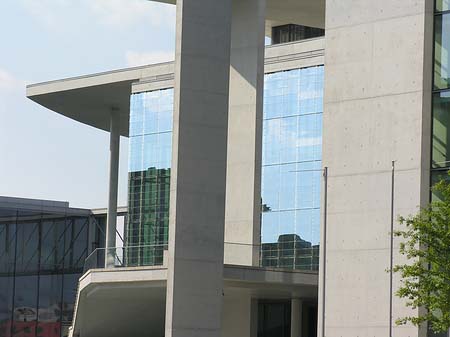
[426,279]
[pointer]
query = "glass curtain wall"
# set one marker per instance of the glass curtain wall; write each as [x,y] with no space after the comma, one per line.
[440,164]
[291,173]
[41,260]
[441,93]
[149,176]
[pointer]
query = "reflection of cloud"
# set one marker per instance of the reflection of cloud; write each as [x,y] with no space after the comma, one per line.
[280,130]
[111,12]
[308,141]
[143,58]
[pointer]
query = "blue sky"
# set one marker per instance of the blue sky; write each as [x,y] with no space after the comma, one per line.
[44,155]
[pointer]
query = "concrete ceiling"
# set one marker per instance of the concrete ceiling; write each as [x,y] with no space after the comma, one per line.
[302,12]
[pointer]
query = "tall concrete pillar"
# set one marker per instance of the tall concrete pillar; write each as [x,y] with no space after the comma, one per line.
[111,219]
[197,205]
[296,317]
[377,102]
[243,198]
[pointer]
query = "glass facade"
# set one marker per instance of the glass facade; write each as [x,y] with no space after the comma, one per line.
[41,260]
[149,176]
[292,143]
[440,164]
[291,173]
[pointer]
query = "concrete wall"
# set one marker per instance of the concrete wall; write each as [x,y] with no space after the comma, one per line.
[377,109]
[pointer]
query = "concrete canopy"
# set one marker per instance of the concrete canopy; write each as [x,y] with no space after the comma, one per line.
[89,99]
[303,12]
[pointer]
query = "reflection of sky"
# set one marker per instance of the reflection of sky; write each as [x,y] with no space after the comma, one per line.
[292,153]
[151,130]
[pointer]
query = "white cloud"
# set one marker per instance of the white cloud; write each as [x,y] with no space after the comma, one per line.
[135,59]
[46,11]
[125,12]
[10,83]
[119,13]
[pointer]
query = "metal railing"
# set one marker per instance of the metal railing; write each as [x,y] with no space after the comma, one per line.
[294,255]
[128,256]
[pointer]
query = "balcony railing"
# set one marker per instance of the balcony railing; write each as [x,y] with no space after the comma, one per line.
[129,256]
[293,255]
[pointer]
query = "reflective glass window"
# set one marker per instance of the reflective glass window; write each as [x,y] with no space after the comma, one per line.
[25,306]
[442,5]
[441,129]
[441,51]
[27,256]
[149,176]
[49,308]
[291,172]
[6,304]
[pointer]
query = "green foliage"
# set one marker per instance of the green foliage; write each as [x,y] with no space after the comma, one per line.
[426,279]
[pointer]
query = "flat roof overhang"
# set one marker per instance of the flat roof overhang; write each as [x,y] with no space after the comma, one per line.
[302,12]
[89,99]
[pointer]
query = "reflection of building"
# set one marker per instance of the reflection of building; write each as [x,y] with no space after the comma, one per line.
[43,247]
[148,217]
[290,252]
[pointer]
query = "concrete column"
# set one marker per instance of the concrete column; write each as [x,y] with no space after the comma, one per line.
[243,197]
[296,317]
[377,102]
[239,313]
[111,220]
[197,205]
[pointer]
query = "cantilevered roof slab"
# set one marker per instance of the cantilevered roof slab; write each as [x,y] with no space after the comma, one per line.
[89,99]
[302,12]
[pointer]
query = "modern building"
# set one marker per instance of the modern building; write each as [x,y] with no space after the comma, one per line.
[264,182]
[43,248]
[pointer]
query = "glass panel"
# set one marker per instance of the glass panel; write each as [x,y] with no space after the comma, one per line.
[25,306]
[70,286]
[49,310]
[441,52]
[441,130]
[27,259]
[7,247]
[437,176]
[149,175]
[291,173]
[442,5]
[274,319]
[80,242]
[6,305]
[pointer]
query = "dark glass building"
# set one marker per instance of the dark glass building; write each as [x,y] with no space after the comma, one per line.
[43,247]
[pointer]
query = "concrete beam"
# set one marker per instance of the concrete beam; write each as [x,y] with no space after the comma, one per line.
[197,205]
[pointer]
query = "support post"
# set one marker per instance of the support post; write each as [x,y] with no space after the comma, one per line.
[243,197]
[199,154]
[111,220]
[296,317]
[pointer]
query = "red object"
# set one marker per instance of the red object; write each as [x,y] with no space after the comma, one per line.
[29,329]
